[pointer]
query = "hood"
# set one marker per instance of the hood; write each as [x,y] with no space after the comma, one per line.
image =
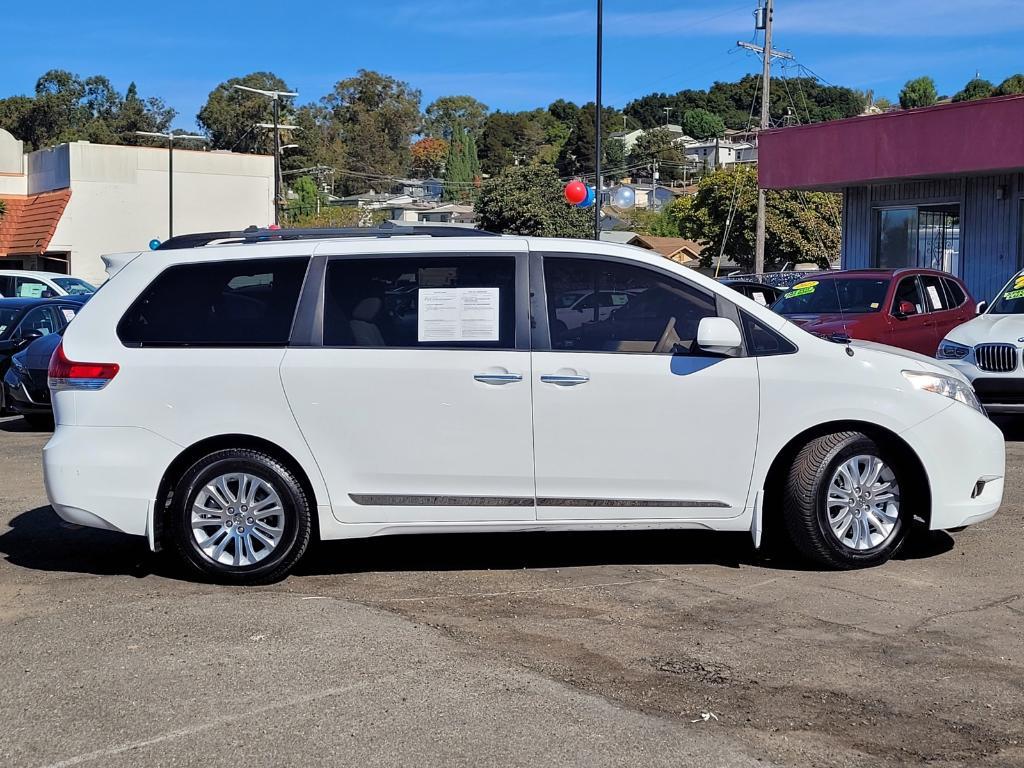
[36,356]
[832,321]
[988,328]
[910,359]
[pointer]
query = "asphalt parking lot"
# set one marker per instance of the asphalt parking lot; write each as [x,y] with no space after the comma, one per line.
[536,649]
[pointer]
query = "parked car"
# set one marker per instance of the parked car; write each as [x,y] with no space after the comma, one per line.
[21,284]
[762,293]
[578,307]
[25,387]
[230,401]
[22,321]
[988,350]
[908,308]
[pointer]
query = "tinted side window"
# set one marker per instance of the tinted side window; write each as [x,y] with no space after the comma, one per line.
[907,291]
[763,341]
[934,297]
[956,293]
[40,319]
[429,301]
[658,313]
[240,303]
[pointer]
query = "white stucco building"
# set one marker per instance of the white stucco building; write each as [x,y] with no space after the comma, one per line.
[68,205]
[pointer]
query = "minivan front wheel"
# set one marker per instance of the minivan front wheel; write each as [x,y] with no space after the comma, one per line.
[240,516]
[845,501]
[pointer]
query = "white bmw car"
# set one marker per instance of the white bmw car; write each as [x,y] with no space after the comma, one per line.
[988,350]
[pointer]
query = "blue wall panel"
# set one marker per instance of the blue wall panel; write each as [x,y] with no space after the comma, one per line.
[989,226]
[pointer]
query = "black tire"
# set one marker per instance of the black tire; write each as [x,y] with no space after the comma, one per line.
[805,506]
[294,519]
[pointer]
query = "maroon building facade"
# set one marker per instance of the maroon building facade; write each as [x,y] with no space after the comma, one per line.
[941,187]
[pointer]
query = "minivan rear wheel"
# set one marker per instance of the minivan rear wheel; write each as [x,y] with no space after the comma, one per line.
[846,501]
[240,516]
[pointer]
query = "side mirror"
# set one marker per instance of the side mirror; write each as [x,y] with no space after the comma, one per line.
[905,309]
[718,336]
[982,306]
[27,338]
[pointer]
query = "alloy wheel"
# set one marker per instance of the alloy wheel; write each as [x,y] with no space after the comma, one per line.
[863,504]
[237,519]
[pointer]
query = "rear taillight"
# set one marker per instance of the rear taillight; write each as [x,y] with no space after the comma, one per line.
[67,374]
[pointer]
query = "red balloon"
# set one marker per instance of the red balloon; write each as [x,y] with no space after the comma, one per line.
[575,192]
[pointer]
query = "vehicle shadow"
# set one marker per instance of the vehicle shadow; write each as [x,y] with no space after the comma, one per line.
[1011,425]
[39,540]
[18,424]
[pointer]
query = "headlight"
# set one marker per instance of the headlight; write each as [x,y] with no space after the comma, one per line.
[950,350]
[946,386]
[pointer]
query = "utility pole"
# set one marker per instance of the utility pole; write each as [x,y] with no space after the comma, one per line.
[275,97]
[763,20]
[170,138]
[654,186]
[597,123]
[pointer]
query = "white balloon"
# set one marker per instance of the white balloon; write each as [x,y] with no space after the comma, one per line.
[624,197]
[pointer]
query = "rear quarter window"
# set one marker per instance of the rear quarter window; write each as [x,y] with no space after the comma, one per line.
[248,302]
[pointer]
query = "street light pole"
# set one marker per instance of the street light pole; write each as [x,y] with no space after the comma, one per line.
[597,121]
[275,97]
[170,137]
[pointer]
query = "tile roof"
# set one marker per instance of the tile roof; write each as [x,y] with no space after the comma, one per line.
[672,247]
[30,221]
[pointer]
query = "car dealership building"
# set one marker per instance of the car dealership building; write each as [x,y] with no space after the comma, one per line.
[68,205]
[939,187]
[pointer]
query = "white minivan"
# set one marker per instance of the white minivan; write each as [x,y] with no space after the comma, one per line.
[232,400]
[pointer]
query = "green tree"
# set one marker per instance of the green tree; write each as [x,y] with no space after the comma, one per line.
[307,197]
[976,88]
[919,92]
[230,116]
[658,145]
[443,114]
[1012,84]
[66,107]
[528,200]
[577,154]
[701,124]
[462,168]
[731,101]
[375,116]
[800,226]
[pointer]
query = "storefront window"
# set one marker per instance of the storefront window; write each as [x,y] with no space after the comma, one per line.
[925,236]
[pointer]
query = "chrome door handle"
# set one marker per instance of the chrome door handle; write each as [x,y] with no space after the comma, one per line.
[564,381]
[498,378]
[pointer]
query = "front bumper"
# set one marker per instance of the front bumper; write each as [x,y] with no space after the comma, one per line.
[964,455]
[998,392]
[20,398]
[105,477]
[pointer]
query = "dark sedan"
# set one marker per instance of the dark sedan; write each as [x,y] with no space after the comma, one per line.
[24,321]
[26,390]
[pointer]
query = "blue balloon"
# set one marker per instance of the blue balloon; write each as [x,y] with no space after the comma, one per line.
[624,197]
[587,201]
[154,244]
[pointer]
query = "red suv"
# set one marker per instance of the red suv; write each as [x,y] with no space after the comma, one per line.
[909,308]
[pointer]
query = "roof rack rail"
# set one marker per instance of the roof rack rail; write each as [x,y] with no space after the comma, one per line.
[259,235]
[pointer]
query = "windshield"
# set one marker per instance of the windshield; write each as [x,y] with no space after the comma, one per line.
[1010,300]
[7,319]
[74,286]
[834,294]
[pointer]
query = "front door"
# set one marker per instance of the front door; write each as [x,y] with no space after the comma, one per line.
[417,406]
[909,324]
[623,427]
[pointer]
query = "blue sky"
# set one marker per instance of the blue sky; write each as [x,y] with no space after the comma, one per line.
[511,54]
